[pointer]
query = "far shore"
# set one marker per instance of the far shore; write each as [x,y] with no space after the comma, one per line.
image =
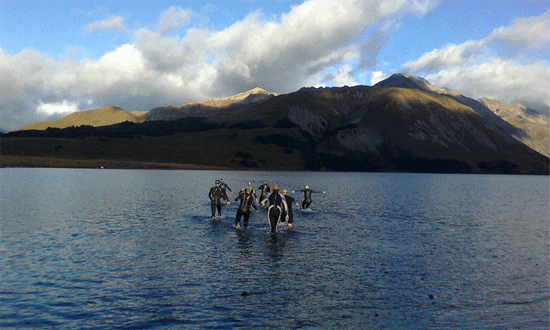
[28,161]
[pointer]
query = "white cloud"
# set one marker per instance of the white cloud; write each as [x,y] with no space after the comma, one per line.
[377,76]
[505,80]
[524,34]
[109,24]
[501,66]
[57,108]
[341,77]
[449,56]
[173,18]
[317,42]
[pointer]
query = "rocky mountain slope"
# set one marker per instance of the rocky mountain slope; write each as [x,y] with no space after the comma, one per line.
[397,129]
[526,125]
[534,124]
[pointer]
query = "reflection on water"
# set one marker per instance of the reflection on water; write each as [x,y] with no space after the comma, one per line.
[115,248]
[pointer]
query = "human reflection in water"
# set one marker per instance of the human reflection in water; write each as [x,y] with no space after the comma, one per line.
[244,244]
[275,246]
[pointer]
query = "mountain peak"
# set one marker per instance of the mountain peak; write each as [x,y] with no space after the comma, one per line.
[227,101]
[402,80]
[258,90]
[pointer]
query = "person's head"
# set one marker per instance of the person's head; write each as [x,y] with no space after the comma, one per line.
[248,190]
[307,187]
[285,191]
[275,187]
[218,182]
[221,180]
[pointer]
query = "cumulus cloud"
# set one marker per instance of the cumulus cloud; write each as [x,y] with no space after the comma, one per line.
[109,24]
[318,42]
[501,66]
[524,34]
[57,108]
[173,18]
[377,76]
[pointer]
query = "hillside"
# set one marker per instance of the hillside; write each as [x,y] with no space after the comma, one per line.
[536,125]
[97,117]
[526,125]
[381,128]
[394,129]
[219,107]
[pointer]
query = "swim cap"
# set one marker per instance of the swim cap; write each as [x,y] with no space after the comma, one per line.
[285,191]
[248,189]
[275,187]
[307,187]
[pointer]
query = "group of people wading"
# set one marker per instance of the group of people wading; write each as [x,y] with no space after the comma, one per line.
[277,203]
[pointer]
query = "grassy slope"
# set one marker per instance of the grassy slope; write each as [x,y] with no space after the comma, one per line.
[97,117]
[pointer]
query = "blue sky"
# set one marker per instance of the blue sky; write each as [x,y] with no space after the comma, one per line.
[57,57]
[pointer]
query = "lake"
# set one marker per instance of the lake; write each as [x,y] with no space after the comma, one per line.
[89,248]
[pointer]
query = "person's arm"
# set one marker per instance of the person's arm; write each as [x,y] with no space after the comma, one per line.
[285,205]
[265,201]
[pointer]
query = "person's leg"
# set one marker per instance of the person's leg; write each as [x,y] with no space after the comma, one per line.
[246,217]
[219,207]
[274,213]
[238,218]
[213,208]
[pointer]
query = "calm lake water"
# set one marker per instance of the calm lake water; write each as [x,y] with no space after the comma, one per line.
[137,249]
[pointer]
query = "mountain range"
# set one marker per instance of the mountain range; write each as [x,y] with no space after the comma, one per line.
[400,124]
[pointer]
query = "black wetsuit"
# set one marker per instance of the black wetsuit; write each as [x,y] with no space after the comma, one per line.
[275,205]
[289,201]
[247,201]
[307,198]
[225,186]
[253,194]
[215,196]
[264,190]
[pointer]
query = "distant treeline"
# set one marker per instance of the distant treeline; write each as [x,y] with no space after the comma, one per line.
[148,128]
[123,130]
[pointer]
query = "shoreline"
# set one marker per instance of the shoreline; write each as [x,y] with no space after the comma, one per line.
[52,162]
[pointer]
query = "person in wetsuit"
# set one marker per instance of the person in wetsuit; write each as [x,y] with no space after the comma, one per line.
[307,196]
[289,201]
[253,192]
[224,186]
[215,196]
[247,201]
[264,190]
[276,204]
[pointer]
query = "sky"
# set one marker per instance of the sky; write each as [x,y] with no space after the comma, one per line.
[59,57]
